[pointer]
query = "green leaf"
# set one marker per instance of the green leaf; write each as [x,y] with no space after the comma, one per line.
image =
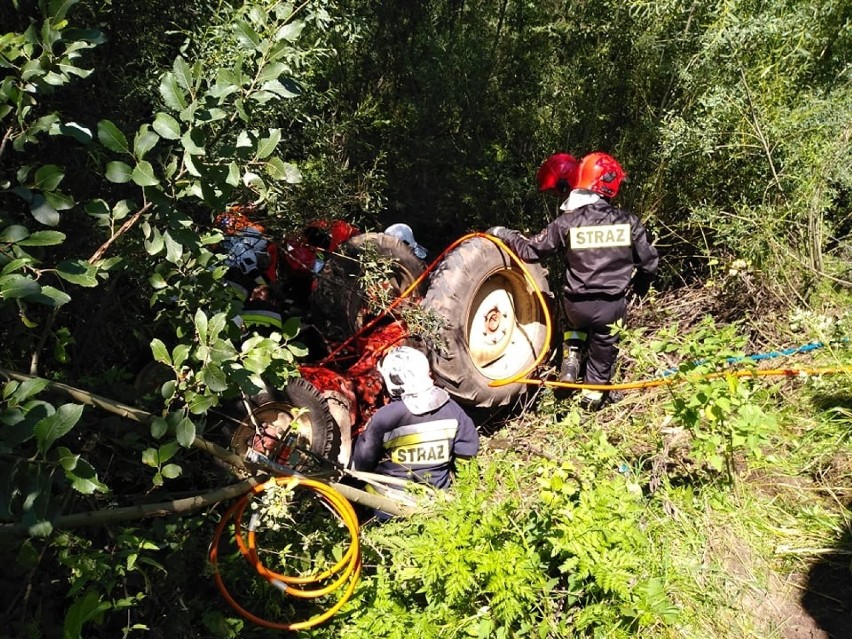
[282,90]
[150,457]
[16,265]
[174,250]
[144,141]
[155,243]
[76,131]
[290,31]
[168,450]
[157,281]
[65,458]
[78,272]
[183,74]
[59,201]
[56,297]
[84,479]
[43,238]
[42,210]
[14,233]
[48,177]
[51,428]
[167,390]
[58,9]
[118,172]
[83,610]
[167,126]
[214,377]
[244,140]
[291,327]
[161,353]
[246,36]
[200,404]
[112,138]
[233,178]
[200,321]
[193,142]
[26,389]
[170,471]
[143,174]
[171,93]
[159,427]
[271,72]
[17,287]
[180,353]
[185,432]
[267,146]
[297,349]
[276,169]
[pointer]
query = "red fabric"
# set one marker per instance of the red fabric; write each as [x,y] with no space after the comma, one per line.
[340,232]
[361,383]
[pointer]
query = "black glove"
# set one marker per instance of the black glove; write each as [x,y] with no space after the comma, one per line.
[641,284]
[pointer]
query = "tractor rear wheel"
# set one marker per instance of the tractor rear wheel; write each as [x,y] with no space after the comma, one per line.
[494,323]
[340,303]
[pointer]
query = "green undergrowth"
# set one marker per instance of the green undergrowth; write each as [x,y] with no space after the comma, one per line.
[701,508]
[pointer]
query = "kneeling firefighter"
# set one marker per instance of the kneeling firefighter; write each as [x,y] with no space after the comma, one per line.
[420,434]
[602,245]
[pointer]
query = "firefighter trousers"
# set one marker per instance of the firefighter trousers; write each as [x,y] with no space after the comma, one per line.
[592,315]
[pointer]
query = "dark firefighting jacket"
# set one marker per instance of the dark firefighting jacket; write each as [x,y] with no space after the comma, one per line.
[400,444]
[602,244]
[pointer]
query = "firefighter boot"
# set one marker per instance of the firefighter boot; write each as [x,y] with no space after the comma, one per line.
[614,396]
[570,370]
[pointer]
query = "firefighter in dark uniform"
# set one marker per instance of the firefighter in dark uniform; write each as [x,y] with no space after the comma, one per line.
[607,251]
[420,434]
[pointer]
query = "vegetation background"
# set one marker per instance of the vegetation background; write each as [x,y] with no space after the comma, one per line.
[718,507]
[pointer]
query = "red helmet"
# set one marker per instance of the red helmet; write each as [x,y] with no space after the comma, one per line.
[557,172]
[601,173]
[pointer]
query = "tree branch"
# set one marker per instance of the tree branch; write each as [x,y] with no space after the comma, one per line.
[759,132]
[143,417]
[6,137]
[144,511]
[121,231]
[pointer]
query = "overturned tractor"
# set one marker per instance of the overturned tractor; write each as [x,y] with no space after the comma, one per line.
[488,327]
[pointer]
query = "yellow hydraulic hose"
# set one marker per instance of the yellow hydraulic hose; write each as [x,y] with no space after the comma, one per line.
[520,378]
[349,566]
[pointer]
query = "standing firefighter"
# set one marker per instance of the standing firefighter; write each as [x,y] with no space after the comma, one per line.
[421,433]
[602,245]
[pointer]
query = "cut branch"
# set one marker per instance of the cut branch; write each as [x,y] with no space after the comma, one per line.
[97,255]
[143,417]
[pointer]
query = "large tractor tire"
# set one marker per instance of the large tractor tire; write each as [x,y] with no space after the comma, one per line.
[339,303]
[301,419]
[494,324]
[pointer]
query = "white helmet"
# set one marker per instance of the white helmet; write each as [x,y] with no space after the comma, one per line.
[405,371]
[404,232]
[407,375]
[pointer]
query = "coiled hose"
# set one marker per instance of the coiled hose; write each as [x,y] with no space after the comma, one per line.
[347,569]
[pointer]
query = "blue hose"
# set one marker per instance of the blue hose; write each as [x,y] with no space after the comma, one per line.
[805,348]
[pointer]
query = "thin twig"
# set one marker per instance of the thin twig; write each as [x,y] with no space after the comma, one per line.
[6,137]
[759,131]
[97,255]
